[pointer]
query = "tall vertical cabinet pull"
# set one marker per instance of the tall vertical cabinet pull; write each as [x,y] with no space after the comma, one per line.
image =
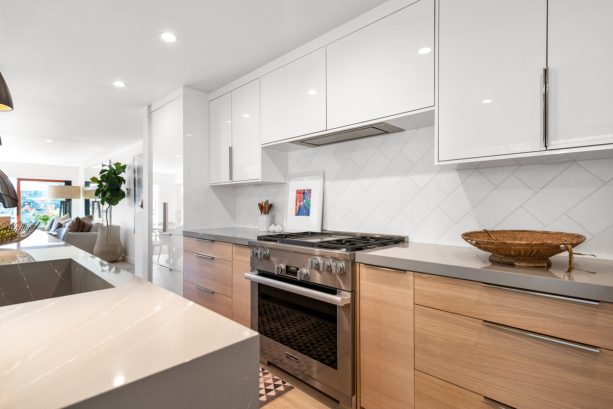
[230,163]
[164,217]
[545,105]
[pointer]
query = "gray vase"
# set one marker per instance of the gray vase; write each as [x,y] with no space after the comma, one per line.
[108,244]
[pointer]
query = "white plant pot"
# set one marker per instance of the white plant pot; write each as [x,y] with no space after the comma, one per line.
[108,244]
[264,222]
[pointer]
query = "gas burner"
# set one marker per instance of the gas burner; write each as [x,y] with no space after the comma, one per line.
[348,242]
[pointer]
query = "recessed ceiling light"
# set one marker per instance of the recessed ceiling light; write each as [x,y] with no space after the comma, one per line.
[178,156]
[312,92]
[228,121]
[486,101]
[424,50]
[168,37]
[119,84]
[245,115]
[48,140]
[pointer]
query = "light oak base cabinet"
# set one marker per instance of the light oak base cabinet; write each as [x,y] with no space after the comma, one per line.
[213,276]
[385,338]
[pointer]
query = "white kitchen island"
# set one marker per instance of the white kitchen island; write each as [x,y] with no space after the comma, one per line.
[128,345]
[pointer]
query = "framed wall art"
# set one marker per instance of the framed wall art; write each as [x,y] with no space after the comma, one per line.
[305,202]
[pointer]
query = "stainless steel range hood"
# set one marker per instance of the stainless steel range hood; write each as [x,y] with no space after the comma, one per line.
[387,126]
[349,134]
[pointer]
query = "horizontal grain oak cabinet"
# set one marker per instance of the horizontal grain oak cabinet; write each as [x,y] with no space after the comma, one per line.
[508,346]
[385,338]
[213,274]
[434,342]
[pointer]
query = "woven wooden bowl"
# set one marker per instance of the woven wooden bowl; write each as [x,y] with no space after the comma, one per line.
[526,248]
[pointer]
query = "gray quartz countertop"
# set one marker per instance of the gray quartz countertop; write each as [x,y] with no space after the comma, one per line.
[235,235]
[591,279]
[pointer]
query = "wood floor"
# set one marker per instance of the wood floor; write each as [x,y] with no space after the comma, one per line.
[301,397]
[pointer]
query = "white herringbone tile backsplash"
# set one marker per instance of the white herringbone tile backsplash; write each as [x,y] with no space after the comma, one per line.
[390,185]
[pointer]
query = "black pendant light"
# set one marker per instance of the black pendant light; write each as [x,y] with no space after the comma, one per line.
[6,101]
[8,196]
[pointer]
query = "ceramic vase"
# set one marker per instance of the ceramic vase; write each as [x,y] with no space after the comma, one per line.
[264,222]
[108,244]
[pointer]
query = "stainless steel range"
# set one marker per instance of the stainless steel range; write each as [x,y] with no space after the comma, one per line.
[302,294]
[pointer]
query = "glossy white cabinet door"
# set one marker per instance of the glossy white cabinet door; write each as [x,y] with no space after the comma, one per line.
[491,58]
[580,73]
[220,110]
[294,98]
[246,132]
[167,163]
[383,69]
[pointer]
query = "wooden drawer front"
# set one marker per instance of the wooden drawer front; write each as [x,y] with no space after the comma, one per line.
[241,287]
[213,301]
[511,367]
[212,273]
[433,393]
[386,338]
[585,323]
[215,249]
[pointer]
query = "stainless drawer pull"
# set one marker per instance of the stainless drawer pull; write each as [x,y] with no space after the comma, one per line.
[203,256]
[547,338]
[206,290]
[496,404]
[545,295]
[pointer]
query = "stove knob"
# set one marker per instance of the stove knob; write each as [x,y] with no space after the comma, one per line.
[315,263]
[303,274]
[338,267]
[252,252]
[279,269]
[326,265]
[264,253]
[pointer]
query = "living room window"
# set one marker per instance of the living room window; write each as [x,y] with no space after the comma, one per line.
[34,205]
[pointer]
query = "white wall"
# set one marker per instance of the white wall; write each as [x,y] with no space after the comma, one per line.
[389,185]
[37,171]
[123,213]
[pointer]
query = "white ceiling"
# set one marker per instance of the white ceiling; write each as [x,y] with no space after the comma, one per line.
[60,57]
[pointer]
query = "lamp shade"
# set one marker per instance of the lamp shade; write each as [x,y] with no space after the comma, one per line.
[89,193]
[6,101]
[64,192]
[8,196]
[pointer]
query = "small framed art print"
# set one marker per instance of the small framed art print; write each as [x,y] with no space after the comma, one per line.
[305,202]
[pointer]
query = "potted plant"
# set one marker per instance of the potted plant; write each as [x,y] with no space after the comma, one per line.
[110,190]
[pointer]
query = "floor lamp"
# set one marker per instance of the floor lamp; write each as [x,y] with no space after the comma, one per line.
[66,193]
[90,194]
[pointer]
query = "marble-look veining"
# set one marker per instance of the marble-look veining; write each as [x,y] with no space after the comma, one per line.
[591,278]
[40,280]
[56,352]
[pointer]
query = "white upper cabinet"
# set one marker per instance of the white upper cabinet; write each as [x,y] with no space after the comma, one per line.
[383,69]
[245,153]
[294,98]
[580,73]
[490,77]
[220,110]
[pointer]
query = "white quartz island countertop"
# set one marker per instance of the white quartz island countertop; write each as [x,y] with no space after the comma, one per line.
[133,342]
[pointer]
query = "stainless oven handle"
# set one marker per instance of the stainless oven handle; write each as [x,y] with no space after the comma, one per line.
[338,300]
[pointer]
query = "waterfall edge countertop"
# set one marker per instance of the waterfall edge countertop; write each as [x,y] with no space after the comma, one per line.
[592,278]
[108,343]
[235,235]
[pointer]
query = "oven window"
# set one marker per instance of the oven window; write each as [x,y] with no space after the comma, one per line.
[301,323]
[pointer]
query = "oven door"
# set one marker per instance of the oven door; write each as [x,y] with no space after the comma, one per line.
[307,331]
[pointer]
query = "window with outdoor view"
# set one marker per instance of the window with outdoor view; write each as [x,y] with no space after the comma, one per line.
[34,203]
